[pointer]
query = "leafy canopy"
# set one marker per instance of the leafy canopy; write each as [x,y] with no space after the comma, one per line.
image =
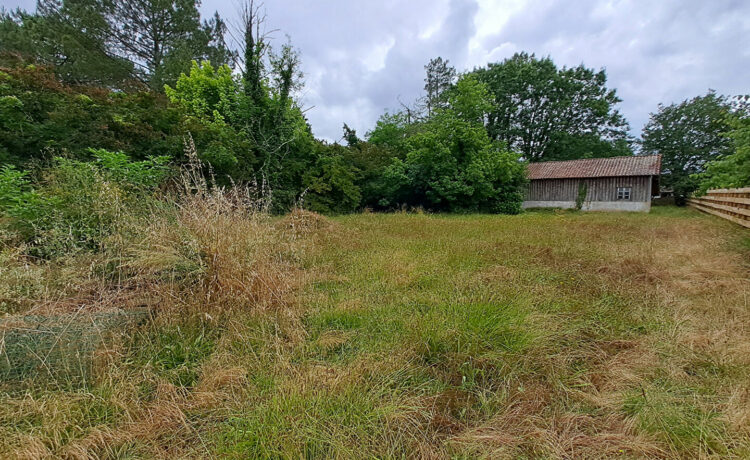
[688,135]
[451,163]
[550,113]
[733,169]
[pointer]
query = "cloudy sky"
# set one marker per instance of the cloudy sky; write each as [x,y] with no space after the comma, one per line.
[361,56]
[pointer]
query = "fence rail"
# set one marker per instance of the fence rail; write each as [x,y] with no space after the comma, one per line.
[728,203]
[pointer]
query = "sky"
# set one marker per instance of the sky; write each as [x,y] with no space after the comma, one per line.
[361,57]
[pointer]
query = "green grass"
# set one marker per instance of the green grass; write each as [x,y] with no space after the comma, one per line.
[544,335]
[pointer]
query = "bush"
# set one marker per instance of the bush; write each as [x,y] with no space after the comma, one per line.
[331,182]
[452,165]
[77,204]
[39,115]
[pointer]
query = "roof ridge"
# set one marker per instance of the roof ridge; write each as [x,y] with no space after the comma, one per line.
[630,165]
[597,158]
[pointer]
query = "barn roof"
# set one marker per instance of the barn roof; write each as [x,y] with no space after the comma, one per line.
[597,167]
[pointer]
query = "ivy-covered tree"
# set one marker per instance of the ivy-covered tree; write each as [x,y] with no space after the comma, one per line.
[548,113]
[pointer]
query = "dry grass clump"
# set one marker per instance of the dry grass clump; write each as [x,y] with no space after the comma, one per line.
[208,261]
[217,246]
[301,221]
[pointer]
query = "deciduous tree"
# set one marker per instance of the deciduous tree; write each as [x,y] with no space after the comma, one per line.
[688,135]
[733,169]
[451,164]
[537,104]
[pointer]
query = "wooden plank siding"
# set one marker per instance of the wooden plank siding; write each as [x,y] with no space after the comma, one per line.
[729,204]
[599,189]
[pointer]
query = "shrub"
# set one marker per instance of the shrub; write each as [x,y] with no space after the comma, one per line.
[331,182]
[451,164]
[77,203]
[38,115]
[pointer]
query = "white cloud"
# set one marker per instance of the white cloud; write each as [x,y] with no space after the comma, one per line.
[360,56]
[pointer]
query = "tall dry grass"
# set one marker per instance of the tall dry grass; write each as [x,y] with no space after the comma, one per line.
[204,259]
[545,335]
[217,246]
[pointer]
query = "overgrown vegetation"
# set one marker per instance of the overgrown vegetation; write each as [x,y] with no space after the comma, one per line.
[731,169]
[169,290]
[374,335]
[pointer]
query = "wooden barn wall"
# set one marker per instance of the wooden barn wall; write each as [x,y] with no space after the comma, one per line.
[599,189]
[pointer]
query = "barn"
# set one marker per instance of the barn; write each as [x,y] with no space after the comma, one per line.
[603,184]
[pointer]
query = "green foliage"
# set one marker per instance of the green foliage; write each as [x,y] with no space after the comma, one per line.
[439,79]
[331,182]
[452,164]
[391,132]
[688,135]
[537,104]
[730,170]
[369,161]
[583,189]
[18,199]
[206,93]
[69,36]
[78,203]
[210,100]
[120,44]
[587,145]
[252,130]
[41,117]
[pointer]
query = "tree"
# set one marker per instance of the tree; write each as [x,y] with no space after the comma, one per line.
[210,101]
[269,113]
[452,164]
[161,37]
[71,37]
[111,42]
[330,183]
[687,136]
[440,77]
[369,160]
[731,170]
[536,105]
[391,132]
[350,136]
[41,117]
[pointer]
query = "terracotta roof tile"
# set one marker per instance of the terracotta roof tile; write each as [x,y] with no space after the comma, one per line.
[597,167]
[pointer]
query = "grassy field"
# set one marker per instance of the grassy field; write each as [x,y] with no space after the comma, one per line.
[544,335]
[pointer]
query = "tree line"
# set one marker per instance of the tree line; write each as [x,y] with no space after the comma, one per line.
[139,76]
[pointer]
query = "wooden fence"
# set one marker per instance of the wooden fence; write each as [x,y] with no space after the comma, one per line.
[728,203]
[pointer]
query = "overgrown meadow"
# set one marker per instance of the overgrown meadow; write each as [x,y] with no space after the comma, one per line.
[548,334]
[186,271]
